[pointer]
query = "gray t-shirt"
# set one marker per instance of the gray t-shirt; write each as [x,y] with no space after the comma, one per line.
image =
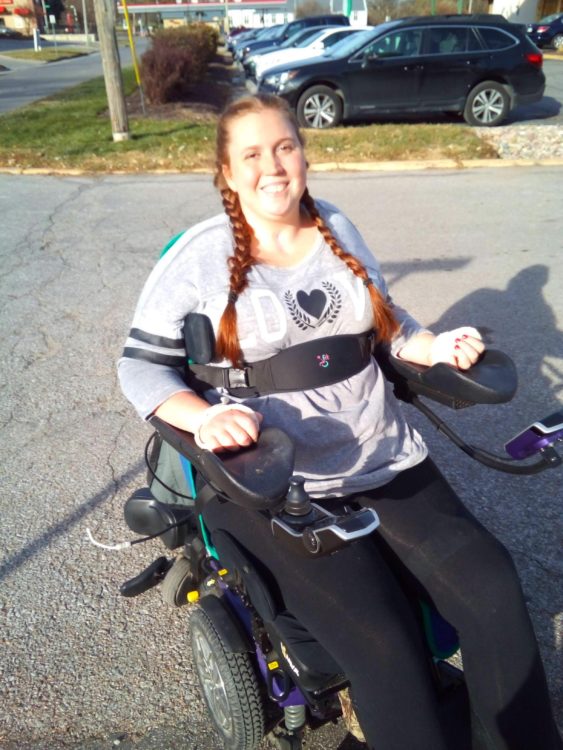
[349,436]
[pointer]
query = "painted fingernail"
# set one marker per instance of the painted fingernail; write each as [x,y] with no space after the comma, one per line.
[457,347]
[464,336]
[457,341]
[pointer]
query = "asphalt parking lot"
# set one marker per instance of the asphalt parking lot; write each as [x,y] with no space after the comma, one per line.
[83,668]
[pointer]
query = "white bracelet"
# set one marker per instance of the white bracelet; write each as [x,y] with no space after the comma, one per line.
[208,414]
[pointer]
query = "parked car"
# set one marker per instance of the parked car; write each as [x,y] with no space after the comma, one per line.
[310,45]
[480,66]
[548,31]
[6,33]
[254,34]
[288,29]
[300,38]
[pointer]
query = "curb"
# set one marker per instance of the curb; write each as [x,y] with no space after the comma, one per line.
[382,166]
[403,166]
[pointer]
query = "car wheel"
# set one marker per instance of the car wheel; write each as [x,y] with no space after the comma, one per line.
[229,686]
[487,104]
[319,107]
[557,41]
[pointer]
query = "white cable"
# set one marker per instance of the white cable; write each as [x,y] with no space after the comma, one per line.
[122,545]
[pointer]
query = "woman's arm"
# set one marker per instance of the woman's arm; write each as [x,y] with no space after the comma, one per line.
[219,427]
[461,348]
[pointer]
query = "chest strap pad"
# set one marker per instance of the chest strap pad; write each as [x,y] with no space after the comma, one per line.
[312,364]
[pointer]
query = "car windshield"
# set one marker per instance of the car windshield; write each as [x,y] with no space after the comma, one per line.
[550,19]
[271,33]
[333,39]
[310,38]
[300,38]
[350,44]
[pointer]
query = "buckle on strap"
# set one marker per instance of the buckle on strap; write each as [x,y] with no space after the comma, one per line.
[234,377]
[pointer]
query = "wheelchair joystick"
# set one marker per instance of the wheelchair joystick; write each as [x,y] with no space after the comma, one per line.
[298,502]
[312,529]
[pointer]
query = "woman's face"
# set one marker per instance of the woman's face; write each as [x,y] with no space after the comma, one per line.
[266,167]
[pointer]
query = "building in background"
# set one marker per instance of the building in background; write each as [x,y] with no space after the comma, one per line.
[249,13]
[19,15]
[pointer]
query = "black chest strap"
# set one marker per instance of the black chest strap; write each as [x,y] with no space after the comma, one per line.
[312,364]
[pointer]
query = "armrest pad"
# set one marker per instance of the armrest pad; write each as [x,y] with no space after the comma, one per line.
[492,380]
[257,478]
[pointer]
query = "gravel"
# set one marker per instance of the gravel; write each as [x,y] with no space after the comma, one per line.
[525,141]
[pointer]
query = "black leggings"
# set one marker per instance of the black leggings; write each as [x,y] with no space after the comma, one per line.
[355,607]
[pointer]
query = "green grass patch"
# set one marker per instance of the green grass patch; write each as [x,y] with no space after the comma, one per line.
[72,130]
[47,55]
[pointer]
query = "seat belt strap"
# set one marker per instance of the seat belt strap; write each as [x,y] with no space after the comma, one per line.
[313,364]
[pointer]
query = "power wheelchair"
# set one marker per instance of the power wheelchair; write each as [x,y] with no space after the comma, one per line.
[260,671]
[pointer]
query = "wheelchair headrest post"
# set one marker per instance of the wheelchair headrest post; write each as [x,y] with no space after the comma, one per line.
[298,502]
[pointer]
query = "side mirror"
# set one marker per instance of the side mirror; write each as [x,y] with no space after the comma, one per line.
[369,57]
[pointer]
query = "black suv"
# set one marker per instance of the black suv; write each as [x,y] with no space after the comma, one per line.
[289,29]
[479,65]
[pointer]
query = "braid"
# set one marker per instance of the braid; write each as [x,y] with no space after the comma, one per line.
[239,265]
[385,323]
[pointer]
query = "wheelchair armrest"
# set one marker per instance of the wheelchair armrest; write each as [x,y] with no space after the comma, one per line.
[492,380]
[256,478]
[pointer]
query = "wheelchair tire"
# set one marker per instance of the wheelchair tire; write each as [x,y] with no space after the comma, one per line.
[229,686]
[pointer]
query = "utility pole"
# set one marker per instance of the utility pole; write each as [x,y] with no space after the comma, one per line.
[105,20]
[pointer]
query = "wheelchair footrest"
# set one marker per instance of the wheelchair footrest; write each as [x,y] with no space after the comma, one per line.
[149,577]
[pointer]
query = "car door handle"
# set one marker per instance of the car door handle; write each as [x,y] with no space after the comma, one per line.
[413,67]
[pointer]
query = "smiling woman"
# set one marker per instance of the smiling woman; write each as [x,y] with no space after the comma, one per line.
[282,278]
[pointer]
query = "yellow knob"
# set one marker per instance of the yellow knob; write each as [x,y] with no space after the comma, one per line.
[193,596]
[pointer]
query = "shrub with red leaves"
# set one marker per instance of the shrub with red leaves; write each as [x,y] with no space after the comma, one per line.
[178,59]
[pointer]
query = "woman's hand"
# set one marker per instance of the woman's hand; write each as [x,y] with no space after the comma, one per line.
[219,427]
[230,429]
[461,348]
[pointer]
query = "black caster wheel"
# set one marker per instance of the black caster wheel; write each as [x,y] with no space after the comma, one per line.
[178,582]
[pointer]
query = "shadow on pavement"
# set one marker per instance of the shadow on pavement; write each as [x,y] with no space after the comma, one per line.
[14,562]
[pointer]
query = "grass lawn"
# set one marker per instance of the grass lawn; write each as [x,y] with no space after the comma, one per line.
[72,130]
[48,55]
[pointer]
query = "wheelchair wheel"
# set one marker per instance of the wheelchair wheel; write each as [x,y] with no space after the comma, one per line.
[178,582]
[229,686]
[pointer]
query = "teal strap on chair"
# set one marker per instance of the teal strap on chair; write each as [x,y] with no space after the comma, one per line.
[167,247]
[206,540]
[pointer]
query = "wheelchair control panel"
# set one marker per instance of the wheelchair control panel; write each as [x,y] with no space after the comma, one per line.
[311,529]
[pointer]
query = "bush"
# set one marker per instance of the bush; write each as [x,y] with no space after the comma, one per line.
[177,60]
[167,73]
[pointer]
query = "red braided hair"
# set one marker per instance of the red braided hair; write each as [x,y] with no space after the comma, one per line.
[384,321]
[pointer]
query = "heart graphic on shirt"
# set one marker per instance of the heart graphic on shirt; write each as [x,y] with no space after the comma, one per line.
[313,303]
